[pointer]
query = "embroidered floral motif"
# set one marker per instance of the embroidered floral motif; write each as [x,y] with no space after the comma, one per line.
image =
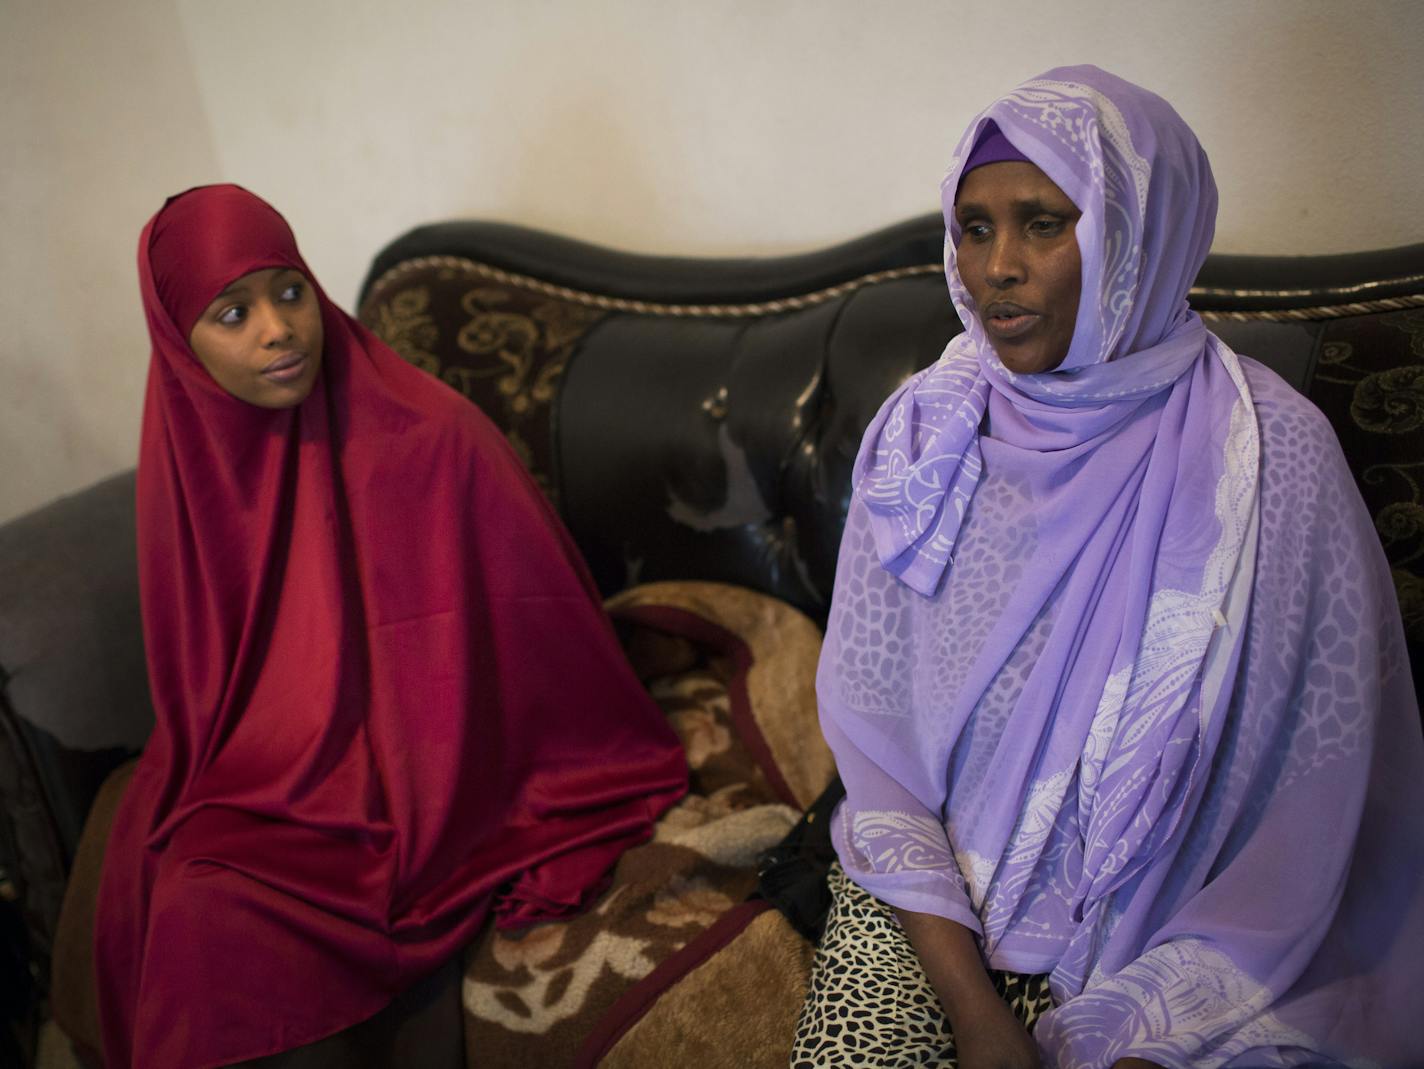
[1402,521]
[503,347]
[896,842]
[1411,602]
[1036,822]
[1099,741]
[1390,402]
[1183,1001]
[1337,352]
[1412,323]
[978,872]
[405,324]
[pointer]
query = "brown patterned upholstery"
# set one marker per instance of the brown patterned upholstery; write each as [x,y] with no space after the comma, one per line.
[1370,382]
[505,338]
[502,346]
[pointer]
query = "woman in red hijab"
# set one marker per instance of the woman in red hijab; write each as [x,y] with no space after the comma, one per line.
[388,701]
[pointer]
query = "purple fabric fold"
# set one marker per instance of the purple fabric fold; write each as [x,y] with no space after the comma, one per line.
[1114,673]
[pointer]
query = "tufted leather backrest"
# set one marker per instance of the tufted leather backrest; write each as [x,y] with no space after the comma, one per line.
[690,418]
[698,418]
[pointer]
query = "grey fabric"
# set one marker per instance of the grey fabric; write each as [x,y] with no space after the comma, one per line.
[73,685]
[71,645]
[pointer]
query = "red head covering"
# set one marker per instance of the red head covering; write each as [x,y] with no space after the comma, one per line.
[386,694]
[200,238]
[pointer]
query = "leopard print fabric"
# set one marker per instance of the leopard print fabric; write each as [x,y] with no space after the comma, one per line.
[870,1004]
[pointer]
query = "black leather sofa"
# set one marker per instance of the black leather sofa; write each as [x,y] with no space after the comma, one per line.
[691,418]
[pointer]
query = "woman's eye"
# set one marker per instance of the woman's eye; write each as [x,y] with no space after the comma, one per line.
[231,317]
[292,292]
[976,231]
[1046,227]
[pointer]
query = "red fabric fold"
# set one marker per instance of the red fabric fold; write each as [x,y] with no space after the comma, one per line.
[386,694]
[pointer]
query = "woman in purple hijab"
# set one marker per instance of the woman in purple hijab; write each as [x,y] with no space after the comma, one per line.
[1114,673]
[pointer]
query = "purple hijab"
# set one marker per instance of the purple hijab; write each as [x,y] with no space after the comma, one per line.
[1116,677]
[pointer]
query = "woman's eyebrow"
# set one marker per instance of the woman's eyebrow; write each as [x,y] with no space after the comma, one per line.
[1038,206]
[1034,205]
[1025,206]
[237,285]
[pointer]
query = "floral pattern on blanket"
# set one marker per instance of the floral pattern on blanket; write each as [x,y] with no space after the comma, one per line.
[532,997]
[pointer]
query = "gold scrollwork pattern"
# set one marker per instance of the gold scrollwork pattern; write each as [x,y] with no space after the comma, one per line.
[1375,381]
[526,349]
[1410,589]
[405,324]
[1390,402]
[1400,523]
[1336,352]
[1412,323]
[502,346]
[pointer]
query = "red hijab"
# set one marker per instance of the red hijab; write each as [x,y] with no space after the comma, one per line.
[387,697]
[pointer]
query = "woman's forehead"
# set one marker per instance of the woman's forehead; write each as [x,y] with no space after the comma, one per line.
[1017,181]
[259,279]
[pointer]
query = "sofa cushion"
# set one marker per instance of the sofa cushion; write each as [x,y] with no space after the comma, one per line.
[73,685]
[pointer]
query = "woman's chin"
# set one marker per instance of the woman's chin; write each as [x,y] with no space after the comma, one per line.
[1027,360]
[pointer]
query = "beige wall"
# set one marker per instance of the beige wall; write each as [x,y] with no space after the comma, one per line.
[663,125]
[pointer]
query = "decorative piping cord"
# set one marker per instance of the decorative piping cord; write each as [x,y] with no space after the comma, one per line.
[1324,311]
[623,304]
[1218,291]
[809,300]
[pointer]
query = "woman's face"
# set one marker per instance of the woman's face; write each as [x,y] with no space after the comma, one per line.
[261,338]
[1019,259]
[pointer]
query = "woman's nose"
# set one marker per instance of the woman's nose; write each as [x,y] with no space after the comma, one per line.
[274,325]
[1004,266]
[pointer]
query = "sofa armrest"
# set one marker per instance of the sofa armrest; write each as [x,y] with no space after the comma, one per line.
[73,686]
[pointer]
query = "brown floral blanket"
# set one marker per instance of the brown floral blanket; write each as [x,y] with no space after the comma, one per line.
[673,965]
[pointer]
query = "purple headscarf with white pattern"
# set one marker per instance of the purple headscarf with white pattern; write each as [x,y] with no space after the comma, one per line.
[1117,680]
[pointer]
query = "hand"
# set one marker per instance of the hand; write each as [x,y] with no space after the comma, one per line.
[990,1037]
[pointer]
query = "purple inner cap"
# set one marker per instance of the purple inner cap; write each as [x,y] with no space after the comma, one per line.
[991,147]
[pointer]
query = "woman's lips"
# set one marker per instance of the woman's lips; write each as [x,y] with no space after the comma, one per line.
[286,368]
[1011,326]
